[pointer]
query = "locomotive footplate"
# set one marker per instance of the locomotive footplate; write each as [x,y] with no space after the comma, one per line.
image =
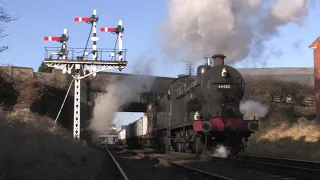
[150,136]
[168,137]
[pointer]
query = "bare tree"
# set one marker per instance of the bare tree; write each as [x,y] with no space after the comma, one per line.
[5,17]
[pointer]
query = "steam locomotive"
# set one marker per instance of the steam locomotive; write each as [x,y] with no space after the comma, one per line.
[199,113]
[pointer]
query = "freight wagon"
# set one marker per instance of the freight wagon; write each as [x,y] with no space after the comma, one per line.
[137,132]
[122,136]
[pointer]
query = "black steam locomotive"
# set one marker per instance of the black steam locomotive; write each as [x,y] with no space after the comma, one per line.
[201,112]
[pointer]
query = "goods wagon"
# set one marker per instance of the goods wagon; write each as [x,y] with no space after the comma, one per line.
[122,136]
[138,131]
[127,130]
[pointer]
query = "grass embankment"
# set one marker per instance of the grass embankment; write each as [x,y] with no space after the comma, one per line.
[287,131]
[280,137]
[33,147]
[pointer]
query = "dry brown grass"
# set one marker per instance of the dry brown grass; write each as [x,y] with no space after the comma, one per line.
[296,141]
[263,89]
[283,135]
[288,130]
[33,147]
[162,163]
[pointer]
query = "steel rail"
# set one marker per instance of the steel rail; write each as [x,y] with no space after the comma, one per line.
[199,171]
[304,169]
[123,174]
[216,176]
[283,161]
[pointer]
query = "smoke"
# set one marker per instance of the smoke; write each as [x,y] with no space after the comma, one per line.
[220,151]
[240,29]
[217,151]
[119,93]
[253,108]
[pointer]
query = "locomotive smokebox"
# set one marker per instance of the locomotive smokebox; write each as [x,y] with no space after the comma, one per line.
[218,59]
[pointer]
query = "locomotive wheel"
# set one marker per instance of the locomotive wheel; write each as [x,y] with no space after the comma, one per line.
[162,148]
[198,145]
[234,154]
[238,147]
[179,147]
[187,148]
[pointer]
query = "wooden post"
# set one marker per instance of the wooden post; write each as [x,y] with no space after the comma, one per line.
[316,53]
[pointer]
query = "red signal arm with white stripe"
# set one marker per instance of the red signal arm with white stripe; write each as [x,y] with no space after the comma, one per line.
[81,19]
[52,38]
[106,29]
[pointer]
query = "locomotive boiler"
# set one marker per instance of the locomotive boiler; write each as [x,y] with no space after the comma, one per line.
[202,112]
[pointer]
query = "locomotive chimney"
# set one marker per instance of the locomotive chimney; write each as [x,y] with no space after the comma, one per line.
[208,60]
[218,59]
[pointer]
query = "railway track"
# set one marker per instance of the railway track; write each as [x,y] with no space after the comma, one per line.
[275,168]
[136,166]
[272,168]
[123,174]
[246,167]
[297,168]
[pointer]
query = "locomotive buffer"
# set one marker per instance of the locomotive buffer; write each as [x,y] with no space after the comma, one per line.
[80,66]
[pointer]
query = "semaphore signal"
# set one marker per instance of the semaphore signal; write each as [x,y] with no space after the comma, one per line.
[119,31]
[62,39]
[93,20]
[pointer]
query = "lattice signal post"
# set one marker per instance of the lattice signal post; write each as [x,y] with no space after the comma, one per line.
[82,66]
[189,69]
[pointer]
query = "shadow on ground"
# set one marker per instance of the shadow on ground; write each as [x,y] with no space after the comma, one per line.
[33,147]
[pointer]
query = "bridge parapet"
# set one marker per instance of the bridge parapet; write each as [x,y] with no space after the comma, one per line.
[27,74]
[159,84]
[100,82]
[299,75]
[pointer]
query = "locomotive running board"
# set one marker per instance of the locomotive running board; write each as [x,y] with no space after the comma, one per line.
[176,126]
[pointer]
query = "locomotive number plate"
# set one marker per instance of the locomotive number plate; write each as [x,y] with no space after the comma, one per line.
[224,86]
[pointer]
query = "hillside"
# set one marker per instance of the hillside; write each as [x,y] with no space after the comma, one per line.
[33,147]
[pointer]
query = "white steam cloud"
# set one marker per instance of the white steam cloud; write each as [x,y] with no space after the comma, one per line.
[220,151]
[217,151]
[119,93]
[238,28]
[253,108]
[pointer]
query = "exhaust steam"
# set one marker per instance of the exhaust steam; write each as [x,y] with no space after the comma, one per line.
[240,29]
[120,93]
[251,109]
[220,151]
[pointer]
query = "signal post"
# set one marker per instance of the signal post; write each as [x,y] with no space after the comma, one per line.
[80,66]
